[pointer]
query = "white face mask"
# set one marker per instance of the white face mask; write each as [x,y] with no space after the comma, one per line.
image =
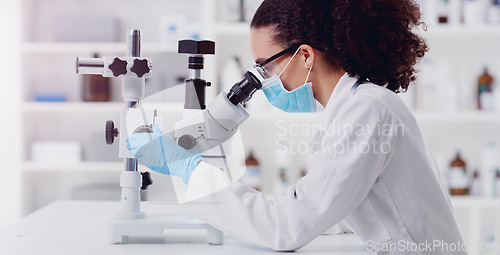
[300,99]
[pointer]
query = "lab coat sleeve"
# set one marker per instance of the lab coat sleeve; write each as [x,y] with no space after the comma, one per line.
[337,229]
[205,180]
[337,182]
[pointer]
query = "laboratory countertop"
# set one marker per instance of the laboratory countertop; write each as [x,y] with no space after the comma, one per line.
[80,227]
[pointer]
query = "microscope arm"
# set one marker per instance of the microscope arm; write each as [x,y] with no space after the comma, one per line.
[134,67]
[210,127]
[215,125]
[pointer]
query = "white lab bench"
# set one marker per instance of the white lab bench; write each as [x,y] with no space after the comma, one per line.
[80,227]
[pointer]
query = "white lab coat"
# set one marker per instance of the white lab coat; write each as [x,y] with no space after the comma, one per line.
[390,196]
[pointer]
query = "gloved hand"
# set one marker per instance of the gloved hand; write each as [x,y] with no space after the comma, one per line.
[160,154]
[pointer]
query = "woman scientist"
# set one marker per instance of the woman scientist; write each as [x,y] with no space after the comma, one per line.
[370,168]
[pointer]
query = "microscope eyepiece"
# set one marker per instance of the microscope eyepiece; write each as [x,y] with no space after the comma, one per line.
[243,90]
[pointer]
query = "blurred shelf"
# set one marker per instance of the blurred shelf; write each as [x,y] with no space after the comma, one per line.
[71,107]
[260,115]
[92,107]
[228,28]
[438,31]
[243,28]
[474,201]
[76,167]
[435,117]
[465,116]
[232,28]
[62,47]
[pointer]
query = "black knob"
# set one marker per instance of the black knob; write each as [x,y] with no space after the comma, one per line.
[196,47]
[187,142]
[140,67]
[146,180]
[111,132]
[118,67]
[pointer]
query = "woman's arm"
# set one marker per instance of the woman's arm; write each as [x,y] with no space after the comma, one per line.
[337,182]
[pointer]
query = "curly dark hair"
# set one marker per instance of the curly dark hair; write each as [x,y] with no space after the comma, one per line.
[371,38]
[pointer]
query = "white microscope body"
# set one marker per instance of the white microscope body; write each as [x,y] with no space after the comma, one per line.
[205,131]
[208,130]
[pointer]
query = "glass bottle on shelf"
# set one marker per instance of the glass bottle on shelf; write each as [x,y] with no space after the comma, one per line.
[303,172]
[485,91]
[457,178]
[489,166]
[95,88]
[443,11]
[280,181]
[253,175]
[493,12]
[497,183]
[476,188]
[474,12]
[281,166]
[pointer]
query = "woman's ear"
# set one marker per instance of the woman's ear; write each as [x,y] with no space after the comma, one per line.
[307,56]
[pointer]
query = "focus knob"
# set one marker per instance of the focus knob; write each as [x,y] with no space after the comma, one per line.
[141,67]
[187,142]
[146,180]
[111,132]
[118,67]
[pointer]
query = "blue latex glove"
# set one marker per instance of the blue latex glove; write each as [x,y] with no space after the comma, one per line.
[160,154]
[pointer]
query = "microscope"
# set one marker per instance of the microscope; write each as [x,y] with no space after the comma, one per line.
[204,130]
[207,130]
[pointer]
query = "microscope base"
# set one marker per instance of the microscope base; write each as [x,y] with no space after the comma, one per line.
[153,225]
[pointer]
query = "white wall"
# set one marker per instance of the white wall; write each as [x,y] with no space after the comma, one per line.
[10,128]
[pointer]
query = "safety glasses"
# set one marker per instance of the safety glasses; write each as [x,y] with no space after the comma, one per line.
[266,68]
